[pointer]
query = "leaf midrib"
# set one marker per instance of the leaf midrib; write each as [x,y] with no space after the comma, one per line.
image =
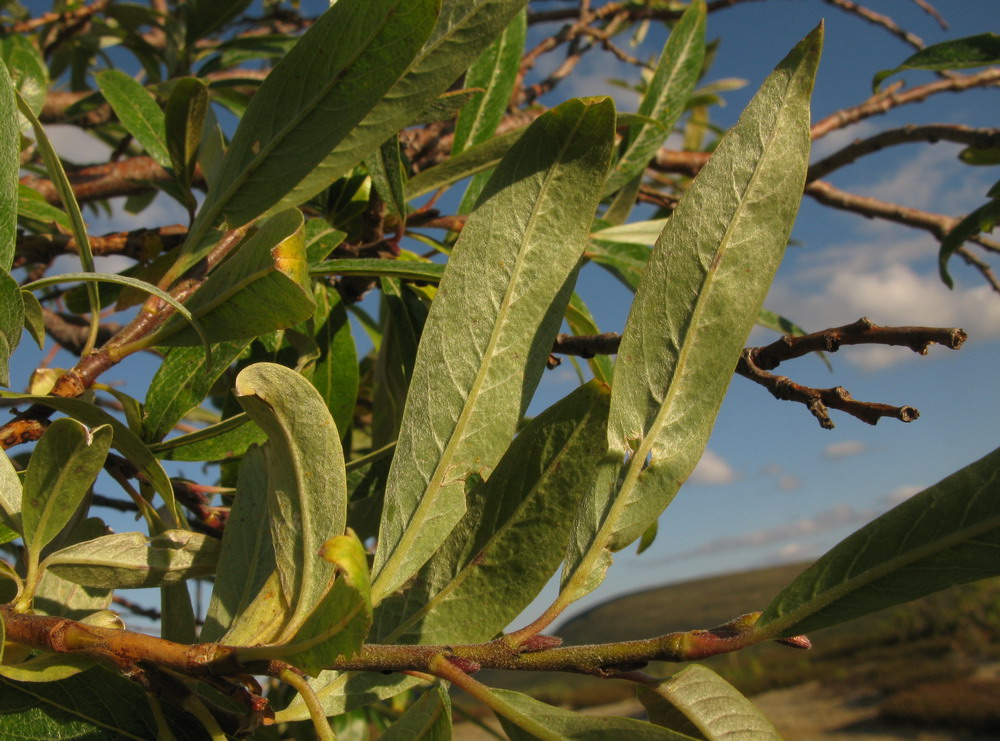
[458,431]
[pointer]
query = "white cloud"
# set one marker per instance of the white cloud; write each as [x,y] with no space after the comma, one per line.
[712,469]
[901,494]
[844,449]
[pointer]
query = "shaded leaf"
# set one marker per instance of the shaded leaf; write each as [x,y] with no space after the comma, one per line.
[62,468]
[343,65]
[265,279]
[246,559]
[138,112]
[10,495]
[27,68]
[666,95]
[335,374]
[708,702]
[386,168]
[476,159]
[513,535]
[31,205]
[185,115]
[581,322]
[695,305]
[10,167]
[463,29]
[229,438]
[972,51]
[339,624]
[11,323]
[123,440]
[307,488]
[134,560]
[428,719]
[947,534]
[34,322]
[983,219]
[524,719]
[202,17]
[181,382]
[520,249]
[78,707]
[427,272]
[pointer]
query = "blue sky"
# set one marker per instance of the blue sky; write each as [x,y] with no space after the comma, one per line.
[773,486]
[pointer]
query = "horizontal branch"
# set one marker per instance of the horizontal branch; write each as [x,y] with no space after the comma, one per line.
[140,244]
[755,362]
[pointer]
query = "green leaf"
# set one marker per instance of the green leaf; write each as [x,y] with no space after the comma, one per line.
[307,487]
[10,495]
[425,272]
[312,99]
[78,708]
[265,280]
[403,321]
[983,219]
[339,624]
[463,29]
[513,535]
[123,440]
[63,465]
[11,323]
[10,166]
[428,719]
[581,322]
[31,205]
[520,249]
[247,556]
[229,438]
[386,168]
[666,96]
[335,374]
[138,112]
[637,232]
[184,119]
[476,159]
[46,668]
[947,534]
[699,295]
[27,68]
[181,382]
[135,560]
[495,70]
[972,51]
[526,719]
[624,261]
[34,322]
[203,17]
[708,702]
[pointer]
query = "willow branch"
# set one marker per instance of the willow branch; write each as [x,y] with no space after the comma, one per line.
[755,362]
[893,98]
[139,244]
[931,133]
[883,21]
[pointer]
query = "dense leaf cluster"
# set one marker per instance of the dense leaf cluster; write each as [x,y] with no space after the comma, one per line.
[382,519]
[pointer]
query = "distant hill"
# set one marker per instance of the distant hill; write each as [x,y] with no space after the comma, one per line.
[701,603]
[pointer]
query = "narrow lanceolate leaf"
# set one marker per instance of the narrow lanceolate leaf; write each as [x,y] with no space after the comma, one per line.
[672,84]
[700,293]
[9,168]
[247,556]
[472,161]
[187,107]
[263,287]
[425,272]
[138,112]
[513,535]
[495,71]
[512,272]
[335,374]
[181,382]
[11,321]
[124,440]
[134,560]
[698,697]
[339,624]
[525,719]
[463,29]
[10,495]
[428,719]
[202,17]
[972,51]
[315,97]
[63,465]
[307,487]
[945,535]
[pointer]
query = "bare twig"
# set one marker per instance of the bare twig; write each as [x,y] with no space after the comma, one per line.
[878,19]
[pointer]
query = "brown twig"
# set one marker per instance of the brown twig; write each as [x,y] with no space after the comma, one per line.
[878,19]
[140,244]
[755,362]
[932,133]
